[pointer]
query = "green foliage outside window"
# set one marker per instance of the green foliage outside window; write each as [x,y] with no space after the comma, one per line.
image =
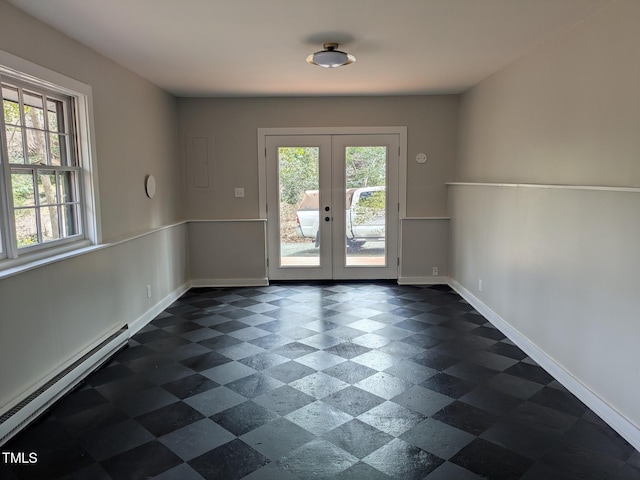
[299,166]
[298,172]
[369,208]
[365,166]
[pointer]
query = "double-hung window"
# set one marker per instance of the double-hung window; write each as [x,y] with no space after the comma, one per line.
[40,166]
[44,169]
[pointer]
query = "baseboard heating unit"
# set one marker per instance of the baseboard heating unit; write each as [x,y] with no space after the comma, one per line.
[26,410]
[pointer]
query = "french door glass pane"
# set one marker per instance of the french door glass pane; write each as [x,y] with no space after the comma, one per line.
[299,184]
[366,220]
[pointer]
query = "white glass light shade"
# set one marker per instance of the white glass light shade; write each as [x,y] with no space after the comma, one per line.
[330,57]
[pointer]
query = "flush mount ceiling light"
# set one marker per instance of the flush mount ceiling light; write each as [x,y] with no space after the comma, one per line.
[330,57]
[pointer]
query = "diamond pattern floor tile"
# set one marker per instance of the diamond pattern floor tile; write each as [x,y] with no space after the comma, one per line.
[334,381]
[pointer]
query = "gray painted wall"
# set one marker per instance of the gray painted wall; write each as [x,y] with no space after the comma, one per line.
[52,313]
[230,126]
[232,123]
[135,125]
[560,265]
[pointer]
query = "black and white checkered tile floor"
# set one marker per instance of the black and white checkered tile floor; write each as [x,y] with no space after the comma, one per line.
[322,381]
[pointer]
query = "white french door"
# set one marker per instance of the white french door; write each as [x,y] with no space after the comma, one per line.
[332,206]
[299,239]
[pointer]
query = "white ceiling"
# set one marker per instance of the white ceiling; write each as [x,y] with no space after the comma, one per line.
[258,47]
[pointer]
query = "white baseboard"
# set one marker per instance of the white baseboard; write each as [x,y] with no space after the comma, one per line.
[32,403]
[437,280]
[230,282]
[35,401]
[627,429]
[140,322]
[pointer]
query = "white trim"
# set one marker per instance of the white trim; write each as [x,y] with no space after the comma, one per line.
[30,72]
[402,179]
[223,220]
[625,427]
[390,130]
[15,266]
[9,268]
[230,282]
[86,146]
[437,280]
[135,236]
[144,319]
[262,173]
[547,186]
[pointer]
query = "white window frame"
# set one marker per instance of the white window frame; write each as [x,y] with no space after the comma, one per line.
[25,72]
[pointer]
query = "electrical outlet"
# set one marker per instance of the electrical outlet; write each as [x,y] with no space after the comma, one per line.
[239,192]
[148,291]
[479,284]
[434,271]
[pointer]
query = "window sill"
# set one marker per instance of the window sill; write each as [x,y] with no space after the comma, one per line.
[10,267]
